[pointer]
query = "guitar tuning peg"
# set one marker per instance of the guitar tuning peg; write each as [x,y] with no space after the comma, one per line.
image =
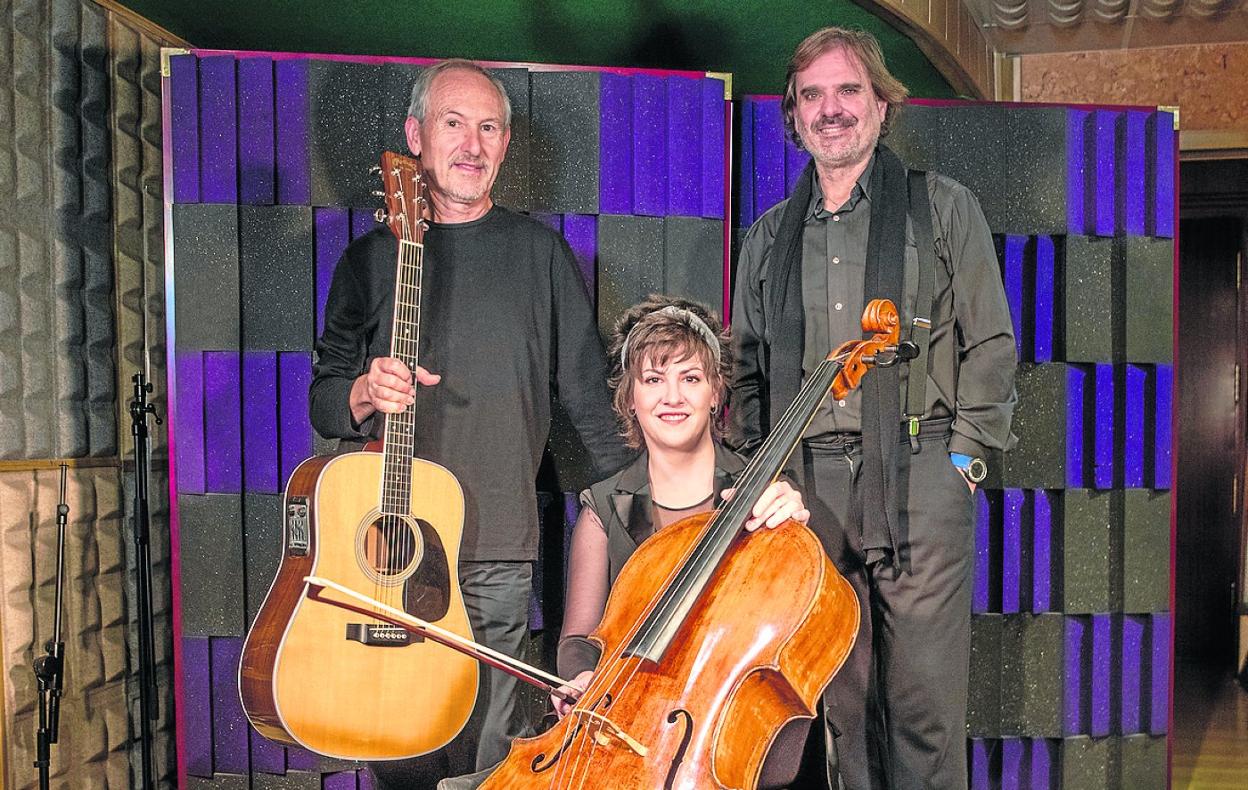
[375,169]
[378,193]
[381,216]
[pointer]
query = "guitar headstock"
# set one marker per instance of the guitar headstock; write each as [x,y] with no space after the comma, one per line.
[407,196]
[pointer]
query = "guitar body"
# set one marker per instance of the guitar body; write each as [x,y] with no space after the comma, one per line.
[331,680]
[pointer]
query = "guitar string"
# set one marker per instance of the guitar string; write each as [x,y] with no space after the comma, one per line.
[707,546]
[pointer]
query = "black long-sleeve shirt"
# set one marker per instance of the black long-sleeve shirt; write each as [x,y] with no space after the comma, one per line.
[506,321]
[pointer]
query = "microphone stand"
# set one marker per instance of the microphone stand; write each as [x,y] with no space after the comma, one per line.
[50,668]
[148,711]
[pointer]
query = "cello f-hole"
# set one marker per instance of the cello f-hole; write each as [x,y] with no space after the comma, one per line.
[672,718]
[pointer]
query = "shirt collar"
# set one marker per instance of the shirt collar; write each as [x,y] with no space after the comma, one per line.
[861,190]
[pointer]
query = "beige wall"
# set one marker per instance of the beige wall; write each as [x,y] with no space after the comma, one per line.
[1208,82]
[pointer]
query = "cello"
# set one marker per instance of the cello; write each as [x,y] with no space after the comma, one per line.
[346,682]
[712,638]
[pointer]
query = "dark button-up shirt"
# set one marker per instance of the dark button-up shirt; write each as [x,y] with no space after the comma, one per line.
[972,341]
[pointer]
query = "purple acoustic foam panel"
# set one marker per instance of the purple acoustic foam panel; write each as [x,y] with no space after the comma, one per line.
[1104,132]
[293,156]
[218,130]
[364,220]
[256,168]
[1162,165]
[1089,299]
[1106,434]
[262,546]
[229,725]
[795,160]
[1159,674]
[259,411]
[1044,299]
[345,106]
[745,190]
[1149,267]
[615,150]
[205,275]
[294,377]
[684,146]
[1012,550]
[1013,757]
[1088,521]
[331,232]
[344,780]
[1132,197]
[1077,682]
[1162,414]
[1045,551]
[714,147]
[197,705]
[277,276]
[184,127]
[211,546]
[1012,255]
[1146,551]
[767,136]
[1133,667]
[983,712]
[581,232]
[565,150]
[1079,390]
[188,429]
[268,757]
[1102,675]
[693,260]
[300,759]
[985,551]
[1043,764]
[1135,427]
[1079,167]
[985,764]
[650,145]
[223,471]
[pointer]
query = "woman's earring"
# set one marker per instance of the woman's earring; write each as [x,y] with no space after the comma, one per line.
[714,408]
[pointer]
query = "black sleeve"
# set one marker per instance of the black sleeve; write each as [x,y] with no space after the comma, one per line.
[342,349]
[749,378]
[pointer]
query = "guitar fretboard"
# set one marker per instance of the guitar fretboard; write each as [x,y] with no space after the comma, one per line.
[396,482]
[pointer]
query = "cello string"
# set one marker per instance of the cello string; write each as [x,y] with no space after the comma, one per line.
[770,455]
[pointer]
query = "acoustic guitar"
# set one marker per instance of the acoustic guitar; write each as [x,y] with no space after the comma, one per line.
[384,524]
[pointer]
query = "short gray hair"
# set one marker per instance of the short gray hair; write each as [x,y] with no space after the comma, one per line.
[419,104]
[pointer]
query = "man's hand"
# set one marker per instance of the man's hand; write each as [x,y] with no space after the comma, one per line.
[577,686]
[387,387]
[779,503]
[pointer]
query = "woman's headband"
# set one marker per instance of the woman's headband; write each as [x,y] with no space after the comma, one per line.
[688,317]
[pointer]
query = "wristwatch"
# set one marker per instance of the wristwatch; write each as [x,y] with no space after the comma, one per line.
[971,467]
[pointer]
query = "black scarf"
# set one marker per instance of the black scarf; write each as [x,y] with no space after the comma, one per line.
[881,387]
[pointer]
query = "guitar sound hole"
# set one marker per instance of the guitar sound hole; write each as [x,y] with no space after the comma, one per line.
[390,545]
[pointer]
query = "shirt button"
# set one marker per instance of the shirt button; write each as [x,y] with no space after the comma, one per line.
[838,305]
[835,259]
[840,403]
[836,217]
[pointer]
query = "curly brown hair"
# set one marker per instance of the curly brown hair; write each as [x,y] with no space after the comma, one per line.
[661,337]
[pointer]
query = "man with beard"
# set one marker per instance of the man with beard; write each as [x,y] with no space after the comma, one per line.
[891,490]
[505,321]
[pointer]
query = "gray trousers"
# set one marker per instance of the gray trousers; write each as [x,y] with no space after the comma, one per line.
[895,715]
[496,596]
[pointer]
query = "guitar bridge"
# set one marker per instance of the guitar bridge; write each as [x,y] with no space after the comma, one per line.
[380,635]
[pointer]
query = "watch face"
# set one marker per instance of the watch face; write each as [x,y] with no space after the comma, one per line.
[977,470]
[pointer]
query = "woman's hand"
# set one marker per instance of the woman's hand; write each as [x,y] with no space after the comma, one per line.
[576,686]
[779,503]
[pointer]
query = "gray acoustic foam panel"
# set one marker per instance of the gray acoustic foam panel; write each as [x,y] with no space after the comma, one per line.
[1144,765]
[397,79]
[1032,654]
[212,564]
[983,712]
[262,546]
[294,780]
[1146,551]
[219,782]
[1089,297]
[917,135]
[630,264]
[512,187]
[693,252]
[1087,763]
[345,108]
[277,276]
[1091,552]
[205,259]
[974,152]
[1035,191]
[1149,299]
[1039,460]
[563,142]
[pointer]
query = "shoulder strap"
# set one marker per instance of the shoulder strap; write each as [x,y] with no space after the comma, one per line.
[921,329]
